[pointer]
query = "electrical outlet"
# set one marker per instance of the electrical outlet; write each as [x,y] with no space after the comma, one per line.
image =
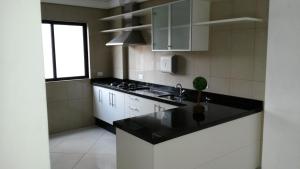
[100,74]
[140,76]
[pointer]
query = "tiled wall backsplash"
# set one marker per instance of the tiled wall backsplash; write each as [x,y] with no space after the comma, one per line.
[69,104]
[235,64]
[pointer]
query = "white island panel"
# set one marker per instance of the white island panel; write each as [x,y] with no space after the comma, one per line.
[232,145]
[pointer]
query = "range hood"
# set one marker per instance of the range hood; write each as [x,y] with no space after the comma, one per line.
[127,38]
[133,37]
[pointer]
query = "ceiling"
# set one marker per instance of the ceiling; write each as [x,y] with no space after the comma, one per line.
[103,4]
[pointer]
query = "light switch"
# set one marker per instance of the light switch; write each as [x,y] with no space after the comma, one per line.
[140,76]
[99,74]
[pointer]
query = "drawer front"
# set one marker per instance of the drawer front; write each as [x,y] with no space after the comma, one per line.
[137,106]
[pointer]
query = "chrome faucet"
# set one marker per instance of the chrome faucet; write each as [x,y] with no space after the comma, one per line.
[181,90]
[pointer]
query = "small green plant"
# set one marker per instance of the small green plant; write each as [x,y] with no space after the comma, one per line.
[200,84]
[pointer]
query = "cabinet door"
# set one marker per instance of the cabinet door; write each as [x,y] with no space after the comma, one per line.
[158,106]
[164,106]
[116,106]
[96,101]
[181,25]
[137,106]
[101,102]
[160,28]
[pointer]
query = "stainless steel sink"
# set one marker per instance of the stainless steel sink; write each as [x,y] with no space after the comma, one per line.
[152,92]
[168,96]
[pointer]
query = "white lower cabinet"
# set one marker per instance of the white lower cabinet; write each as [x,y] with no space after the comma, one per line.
[137,106]
[110,105]
[158,106]
[116,109]
[101,103]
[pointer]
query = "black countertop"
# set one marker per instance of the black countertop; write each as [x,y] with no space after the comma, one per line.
[106,83]
[162,126]
[189,117]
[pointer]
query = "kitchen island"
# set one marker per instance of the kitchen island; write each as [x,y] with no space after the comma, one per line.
[209,136]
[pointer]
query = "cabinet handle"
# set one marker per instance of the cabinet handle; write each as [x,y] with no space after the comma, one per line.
[134,98]
[155,106]
[158,108]
[110,99]
[113,100]
[133,108]
[100,96]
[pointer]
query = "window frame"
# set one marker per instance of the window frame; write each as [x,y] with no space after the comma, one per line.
[85,47]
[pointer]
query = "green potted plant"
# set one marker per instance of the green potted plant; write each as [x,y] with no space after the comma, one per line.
[200,84]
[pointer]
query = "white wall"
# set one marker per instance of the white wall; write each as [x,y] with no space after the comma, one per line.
[281,146]
[23,116]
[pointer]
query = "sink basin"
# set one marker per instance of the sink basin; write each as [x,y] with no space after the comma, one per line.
[158,92]
[141,88]
[152,92]
[171,97]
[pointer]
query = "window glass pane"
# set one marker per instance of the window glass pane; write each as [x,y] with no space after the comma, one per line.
[47,51]
[69,50]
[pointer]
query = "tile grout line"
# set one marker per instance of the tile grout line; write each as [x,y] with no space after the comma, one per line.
[53,148]
[62,134]
[87,151]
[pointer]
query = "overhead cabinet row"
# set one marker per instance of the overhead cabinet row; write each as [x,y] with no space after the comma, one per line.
[181,25]
[174,29]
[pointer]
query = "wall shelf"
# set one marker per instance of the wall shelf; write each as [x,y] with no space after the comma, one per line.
[139,12]
[232,20]
[134,13]
[148,26]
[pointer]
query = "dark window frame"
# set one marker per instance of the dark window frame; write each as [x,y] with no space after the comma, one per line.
[85,46]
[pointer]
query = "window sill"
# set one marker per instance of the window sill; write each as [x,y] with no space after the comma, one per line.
[67,79]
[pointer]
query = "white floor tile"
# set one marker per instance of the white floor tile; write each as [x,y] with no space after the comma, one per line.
[54,141]
[79,141]
[64,161]
[99,161]
[88,148]
[105,145]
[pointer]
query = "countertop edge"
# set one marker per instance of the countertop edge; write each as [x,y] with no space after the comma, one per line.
[213,124]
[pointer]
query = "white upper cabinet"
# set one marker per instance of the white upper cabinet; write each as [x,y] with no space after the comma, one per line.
[160,28]
[173,26]
[180,26]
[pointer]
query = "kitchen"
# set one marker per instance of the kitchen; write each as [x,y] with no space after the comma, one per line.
[163,84]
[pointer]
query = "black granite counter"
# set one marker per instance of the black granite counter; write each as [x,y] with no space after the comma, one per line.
[106,83]
[189,117]
[162,126]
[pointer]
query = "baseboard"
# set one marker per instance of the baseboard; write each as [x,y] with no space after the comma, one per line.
[105,125]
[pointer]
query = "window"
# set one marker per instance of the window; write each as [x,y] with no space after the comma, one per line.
[65,50]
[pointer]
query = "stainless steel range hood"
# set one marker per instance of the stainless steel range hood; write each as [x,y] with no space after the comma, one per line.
[133,37]
[127,38]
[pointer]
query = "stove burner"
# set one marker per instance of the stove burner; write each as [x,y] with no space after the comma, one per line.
[127,86]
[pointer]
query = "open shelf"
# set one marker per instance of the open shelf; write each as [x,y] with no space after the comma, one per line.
[128,28]
[134,13]
[232,20]
[139,12]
